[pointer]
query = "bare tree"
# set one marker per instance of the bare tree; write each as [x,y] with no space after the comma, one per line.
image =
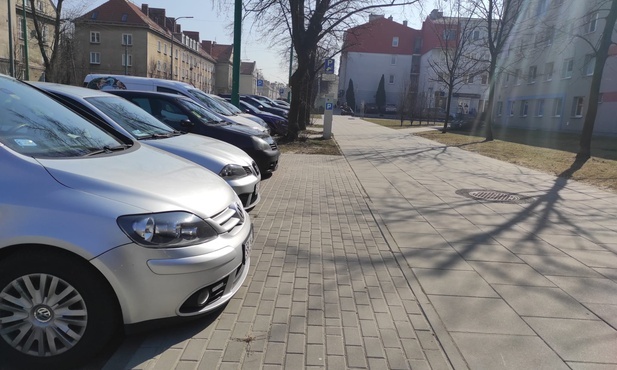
[459,57]
[307,23]
[500,20]
[608,9]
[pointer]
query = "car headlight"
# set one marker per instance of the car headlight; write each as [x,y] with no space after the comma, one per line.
[166,230]
[233,171]
[260,143]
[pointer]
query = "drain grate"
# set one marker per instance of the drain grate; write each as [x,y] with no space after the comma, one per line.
[494,196]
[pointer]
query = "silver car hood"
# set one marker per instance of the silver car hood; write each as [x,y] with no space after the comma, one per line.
[146,178]
[207,152]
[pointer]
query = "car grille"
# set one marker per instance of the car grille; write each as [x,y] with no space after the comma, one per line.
[217,290]
[273,146]
[229,218]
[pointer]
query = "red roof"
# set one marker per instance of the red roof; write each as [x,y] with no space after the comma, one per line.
[376,37]
[222,53]
[247,68]
[123,12]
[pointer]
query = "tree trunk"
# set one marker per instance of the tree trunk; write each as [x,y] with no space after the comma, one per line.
[594,91]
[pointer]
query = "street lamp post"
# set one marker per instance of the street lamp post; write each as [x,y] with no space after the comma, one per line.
[173,30]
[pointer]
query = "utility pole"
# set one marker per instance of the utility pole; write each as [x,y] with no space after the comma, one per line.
[173,30]
[235,84]
[25,30]
[291,63]
[11,51]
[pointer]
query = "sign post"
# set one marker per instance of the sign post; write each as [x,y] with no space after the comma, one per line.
[327,117]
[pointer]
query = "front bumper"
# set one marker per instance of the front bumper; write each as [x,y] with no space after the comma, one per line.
[153,284]
[267,160]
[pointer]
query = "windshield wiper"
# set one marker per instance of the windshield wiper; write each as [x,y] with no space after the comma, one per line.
[158,136]
[107,149]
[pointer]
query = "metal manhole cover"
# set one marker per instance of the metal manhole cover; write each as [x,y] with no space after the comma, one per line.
[494,196]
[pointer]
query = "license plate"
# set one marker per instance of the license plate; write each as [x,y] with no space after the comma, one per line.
[246,247]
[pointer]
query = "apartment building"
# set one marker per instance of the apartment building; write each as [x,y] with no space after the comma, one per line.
[120,38]
[548,66]
[379,47]
[454,55]
[12,11]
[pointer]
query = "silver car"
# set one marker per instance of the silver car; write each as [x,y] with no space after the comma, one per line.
[98,231]
[226,160]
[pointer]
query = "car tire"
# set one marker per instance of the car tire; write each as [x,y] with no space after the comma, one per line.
[55,311]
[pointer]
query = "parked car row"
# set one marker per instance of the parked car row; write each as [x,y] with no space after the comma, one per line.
[111,219]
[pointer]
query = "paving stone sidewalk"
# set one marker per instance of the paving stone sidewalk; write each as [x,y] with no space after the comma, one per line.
[325,290]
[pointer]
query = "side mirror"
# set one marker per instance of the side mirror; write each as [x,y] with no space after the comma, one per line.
[186,123]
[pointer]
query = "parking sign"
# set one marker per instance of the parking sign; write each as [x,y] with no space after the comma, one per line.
[260,83]
[329,66]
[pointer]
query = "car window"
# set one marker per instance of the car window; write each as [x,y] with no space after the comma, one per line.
[33,124]
[210,102]
[131,117]
[202,113]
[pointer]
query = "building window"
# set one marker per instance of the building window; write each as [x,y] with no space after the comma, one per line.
[511,104]
[39,5]
[158,65]
[22,52]
[127,39]
[568,66]
[20,24]
[395,41]
[393,60]
[531,75]
[449,34]
[499,108]
[44,33]
[124,17]
[158,47]
[590,64]
[95,57]
[577,106]
[507,79]
[550,35]
[517,73]
[130,58]
[592,23]
[476,35]
[524,108]
[540,108]
[95,37]
[548,70]
[557,103]
[484,78]
[469,79]
[391,79]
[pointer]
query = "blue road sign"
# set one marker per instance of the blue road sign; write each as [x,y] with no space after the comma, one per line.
[329,66]
[260,82]
[281,91]
[328,106]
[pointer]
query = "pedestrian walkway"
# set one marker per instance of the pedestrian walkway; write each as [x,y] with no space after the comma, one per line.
[515,269]
[407,254]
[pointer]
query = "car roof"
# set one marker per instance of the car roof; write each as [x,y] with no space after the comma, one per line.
[149,93]
[77,91]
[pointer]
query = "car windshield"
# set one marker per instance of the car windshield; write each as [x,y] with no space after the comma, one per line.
[131,117]
[230,106]
[200,112]
[35,125]
[210,102]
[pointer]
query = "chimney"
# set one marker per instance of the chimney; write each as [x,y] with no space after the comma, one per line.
[405,23]
[372,17]
[144,9]
[390,18]
[207,46]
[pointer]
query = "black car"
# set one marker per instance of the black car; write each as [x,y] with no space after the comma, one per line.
[277,124]
[261,105]
[183,114]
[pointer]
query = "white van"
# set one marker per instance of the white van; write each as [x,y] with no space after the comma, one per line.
[122,82]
